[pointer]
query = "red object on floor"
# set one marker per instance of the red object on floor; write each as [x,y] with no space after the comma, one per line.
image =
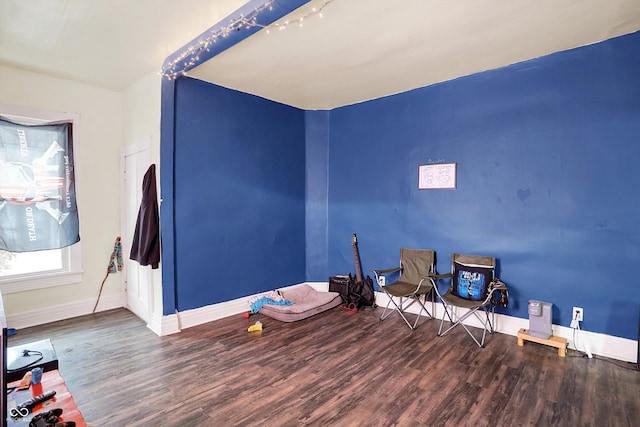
[51,380]
[351,308]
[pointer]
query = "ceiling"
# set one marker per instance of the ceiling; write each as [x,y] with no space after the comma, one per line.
[106,43]
[358,50]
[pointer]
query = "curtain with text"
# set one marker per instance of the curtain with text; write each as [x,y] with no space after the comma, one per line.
[37,190]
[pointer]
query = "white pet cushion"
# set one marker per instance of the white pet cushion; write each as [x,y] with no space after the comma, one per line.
[306,303]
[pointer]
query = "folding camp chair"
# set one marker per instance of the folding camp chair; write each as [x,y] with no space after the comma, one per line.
[413,285]
[473,288]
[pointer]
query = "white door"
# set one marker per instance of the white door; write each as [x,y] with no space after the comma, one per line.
[134,161]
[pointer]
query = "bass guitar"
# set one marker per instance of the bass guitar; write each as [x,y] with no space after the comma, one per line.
[362,293]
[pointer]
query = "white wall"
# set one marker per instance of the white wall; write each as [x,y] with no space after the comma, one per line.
[141,113]
[108,121]
[141,120]
[97,138]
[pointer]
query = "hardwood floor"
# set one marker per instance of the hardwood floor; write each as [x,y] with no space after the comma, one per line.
[335,368]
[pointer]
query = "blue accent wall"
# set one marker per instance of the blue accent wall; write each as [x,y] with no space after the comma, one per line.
[264,195]
[317,124]
[547,155]
[167,205]
[239,194]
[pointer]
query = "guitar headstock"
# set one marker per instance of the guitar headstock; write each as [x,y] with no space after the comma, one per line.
[354,240]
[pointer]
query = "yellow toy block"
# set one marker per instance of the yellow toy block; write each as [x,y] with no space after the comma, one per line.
[256,327]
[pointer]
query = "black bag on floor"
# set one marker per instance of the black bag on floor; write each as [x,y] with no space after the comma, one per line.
[362,293]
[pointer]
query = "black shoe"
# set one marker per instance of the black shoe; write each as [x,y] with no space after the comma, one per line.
[46,419]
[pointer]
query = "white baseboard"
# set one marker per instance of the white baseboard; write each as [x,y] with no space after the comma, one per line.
[164,325]
[64,311]
[599,344]
[198,316]
[160,325]
[209,313]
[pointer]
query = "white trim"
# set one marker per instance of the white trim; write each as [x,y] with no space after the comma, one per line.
[41,282]
[213,312]
[23,112]
[13,284]
[127,150]
[164,325]
[601,344]
[55,312]
[144,146]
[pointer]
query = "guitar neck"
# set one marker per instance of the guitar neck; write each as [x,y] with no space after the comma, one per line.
[356,258]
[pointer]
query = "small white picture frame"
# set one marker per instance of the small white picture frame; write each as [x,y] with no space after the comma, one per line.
[439,176]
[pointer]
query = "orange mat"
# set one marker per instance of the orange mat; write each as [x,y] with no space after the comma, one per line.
[51,380]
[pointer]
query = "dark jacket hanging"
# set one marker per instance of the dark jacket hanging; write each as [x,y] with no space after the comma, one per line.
[145,247]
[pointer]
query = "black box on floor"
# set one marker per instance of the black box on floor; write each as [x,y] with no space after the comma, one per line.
[23,358]
[340,284]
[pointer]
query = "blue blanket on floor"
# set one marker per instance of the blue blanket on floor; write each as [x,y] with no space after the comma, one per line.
[257,304]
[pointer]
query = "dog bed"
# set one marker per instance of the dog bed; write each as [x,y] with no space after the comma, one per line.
[306,303]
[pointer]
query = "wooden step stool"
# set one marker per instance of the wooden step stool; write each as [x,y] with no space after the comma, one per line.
[553,341]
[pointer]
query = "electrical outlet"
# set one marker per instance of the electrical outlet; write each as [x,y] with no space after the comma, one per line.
[578,314]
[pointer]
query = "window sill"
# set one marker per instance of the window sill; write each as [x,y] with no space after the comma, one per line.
[10,286]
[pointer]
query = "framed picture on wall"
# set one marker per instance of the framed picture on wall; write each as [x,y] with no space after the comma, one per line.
[437,176]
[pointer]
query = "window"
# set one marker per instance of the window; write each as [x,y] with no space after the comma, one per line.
[42,269]
[30,262]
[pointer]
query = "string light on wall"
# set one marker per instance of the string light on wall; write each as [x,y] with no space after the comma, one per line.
[190,56]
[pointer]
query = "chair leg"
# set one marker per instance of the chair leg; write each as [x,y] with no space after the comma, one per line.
[446,311]
[383,316]
[486,324]
[402,307]
[422,308]
[487,321]
[398,308]
[432,294]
